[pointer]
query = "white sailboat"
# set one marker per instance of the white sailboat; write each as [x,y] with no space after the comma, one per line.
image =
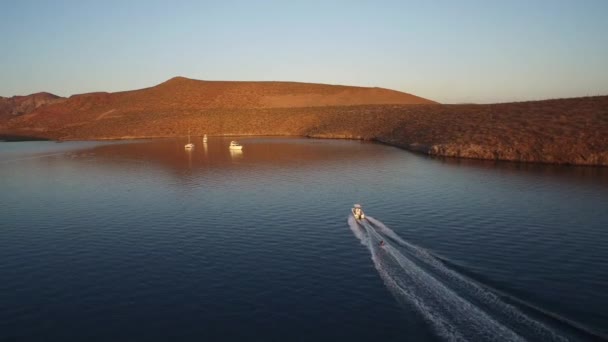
[189,145]
[205,138]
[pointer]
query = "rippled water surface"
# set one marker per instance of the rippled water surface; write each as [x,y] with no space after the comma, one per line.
[143,241]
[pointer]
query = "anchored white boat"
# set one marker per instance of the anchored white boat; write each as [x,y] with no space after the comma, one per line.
[205,138]
[234,145]
[358,212]
[189,145]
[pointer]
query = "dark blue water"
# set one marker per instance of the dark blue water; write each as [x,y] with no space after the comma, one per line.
[143,241]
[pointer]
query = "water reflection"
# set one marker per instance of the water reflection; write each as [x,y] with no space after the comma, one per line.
[278,153]
[236,154]
[169,154]
[189,154]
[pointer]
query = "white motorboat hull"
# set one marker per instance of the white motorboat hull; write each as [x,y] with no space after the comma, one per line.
[236,147]
[189,146]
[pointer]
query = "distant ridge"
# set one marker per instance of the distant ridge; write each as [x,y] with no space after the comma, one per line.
[18,105]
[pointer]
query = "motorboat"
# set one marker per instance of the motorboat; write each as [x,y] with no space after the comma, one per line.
[205,138]
[358,212]
[234,145]
[189,145]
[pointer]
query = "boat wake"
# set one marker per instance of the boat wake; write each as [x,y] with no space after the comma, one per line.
[455,307]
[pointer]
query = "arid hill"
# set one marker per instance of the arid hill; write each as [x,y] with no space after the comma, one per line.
[563,131]
[182,95]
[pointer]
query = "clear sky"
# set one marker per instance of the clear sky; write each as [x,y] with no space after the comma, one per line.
[448,51]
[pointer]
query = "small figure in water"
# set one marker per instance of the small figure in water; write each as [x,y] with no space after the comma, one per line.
[381,244]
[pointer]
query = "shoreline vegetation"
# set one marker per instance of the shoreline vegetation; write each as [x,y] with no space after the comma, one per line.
[560,131]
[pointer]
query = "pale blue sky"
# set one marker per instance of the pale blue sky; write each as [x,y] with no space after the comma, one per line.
[449,51]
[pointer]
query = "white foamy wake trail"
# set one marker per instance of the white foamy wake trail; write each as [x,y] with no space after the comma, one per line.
[457,308]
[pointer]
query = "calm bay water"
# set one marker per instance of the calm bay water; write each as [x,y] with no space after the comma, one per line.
[142,240]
